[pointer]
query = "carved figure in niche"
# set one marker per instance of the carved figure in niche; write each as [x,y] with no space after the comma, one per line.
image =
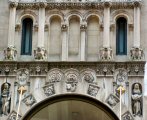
[112,100]
[71,83]
[49,90]
[93,90]
[55,78]
[5,98]
[137,99]
[89,78]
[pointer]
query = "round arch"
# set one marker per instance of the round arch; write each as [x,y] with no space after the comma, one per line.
[64,97]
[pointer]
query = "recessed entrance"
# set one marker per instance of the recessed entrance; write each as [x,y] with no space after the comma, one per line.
[70,107]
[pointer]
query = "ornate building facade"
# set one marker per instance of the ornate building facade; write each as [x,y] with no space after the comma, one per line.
[79,50]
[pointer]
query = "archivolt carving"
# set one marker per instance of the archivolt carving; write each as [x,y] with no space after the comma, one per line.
[69,15]
[88,75]
[54,75]
[53,14]
[27,14]
[121,13]
[98,14]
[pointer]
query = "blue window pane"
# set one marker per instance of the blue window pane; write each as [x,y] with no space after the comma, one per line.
[26,43]
[121,37]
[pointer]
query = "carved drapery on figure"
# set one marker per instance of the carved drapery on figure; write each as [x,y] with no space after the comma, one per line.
[106,54]
[137,99]
[5,98]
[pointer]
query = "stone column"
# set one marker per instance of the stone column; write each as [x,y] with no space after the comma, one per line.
[40,53]
[64,42]
[106,33]
[12,17]
[83,41]
[136,51]
[10,51]
[106,51]
[137,25]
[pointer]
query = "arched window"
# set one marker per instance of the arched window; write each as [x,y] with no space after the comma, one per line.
[26,43]
[121,36]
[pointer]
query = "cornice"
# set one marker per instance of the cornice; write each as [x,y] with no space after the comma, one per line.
[78,5]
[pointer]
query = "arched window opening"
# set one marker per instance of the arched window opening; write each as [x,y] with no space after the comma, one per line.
[26,43]
[121,36]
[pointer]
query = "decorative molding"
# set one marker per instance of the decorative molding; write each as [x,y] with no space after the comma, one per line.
[12,116]
[76,5]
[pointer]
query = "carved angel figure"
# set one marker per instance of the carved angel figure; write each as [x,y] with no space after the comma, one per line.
[40,54]
[10,53]
[136,100]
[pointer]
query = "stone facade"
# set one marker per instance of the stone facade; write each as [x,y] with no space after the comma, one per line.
[73,45]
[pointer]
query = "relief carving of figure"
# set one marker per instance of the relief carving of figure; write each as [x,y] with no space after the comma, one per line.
[137,100]
[106,54]
[49,89]
[5,98]
[71,83]
[89,78]
[136,53]
[10,53]
[93,90]
[40,53]
[112,100]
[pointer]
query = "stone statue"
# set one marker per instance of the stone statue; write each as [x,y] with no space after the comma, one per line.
[5,98]
[137,100]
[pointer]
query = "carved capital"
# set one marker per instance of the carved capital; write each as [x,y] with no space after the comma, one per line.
[64,27]
[10,53]
[106,54]
[40,54]
[137,4]
[83,27]
[42,4]
[136,54]
[107,4]
[17,27]
[13,4]
[131,27]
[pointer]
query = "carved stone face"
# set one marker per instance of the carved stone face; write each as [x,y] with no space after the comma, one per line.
[136,86]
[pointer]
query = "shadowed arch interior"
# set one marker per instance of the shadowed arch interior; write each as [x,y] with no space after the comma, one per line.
[88,101]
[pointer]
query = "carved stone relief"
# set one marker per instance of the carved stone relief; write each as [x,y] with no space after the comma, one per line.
[55,75]
[49,89]
[5,99]
[29,100]
[72,78]
[112,100]
[106,54]
[93,90]
[22,79]
[127,116]
[10,53]
[13,115]
[71,82]
[40,54]
[136,53]
[137,99]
